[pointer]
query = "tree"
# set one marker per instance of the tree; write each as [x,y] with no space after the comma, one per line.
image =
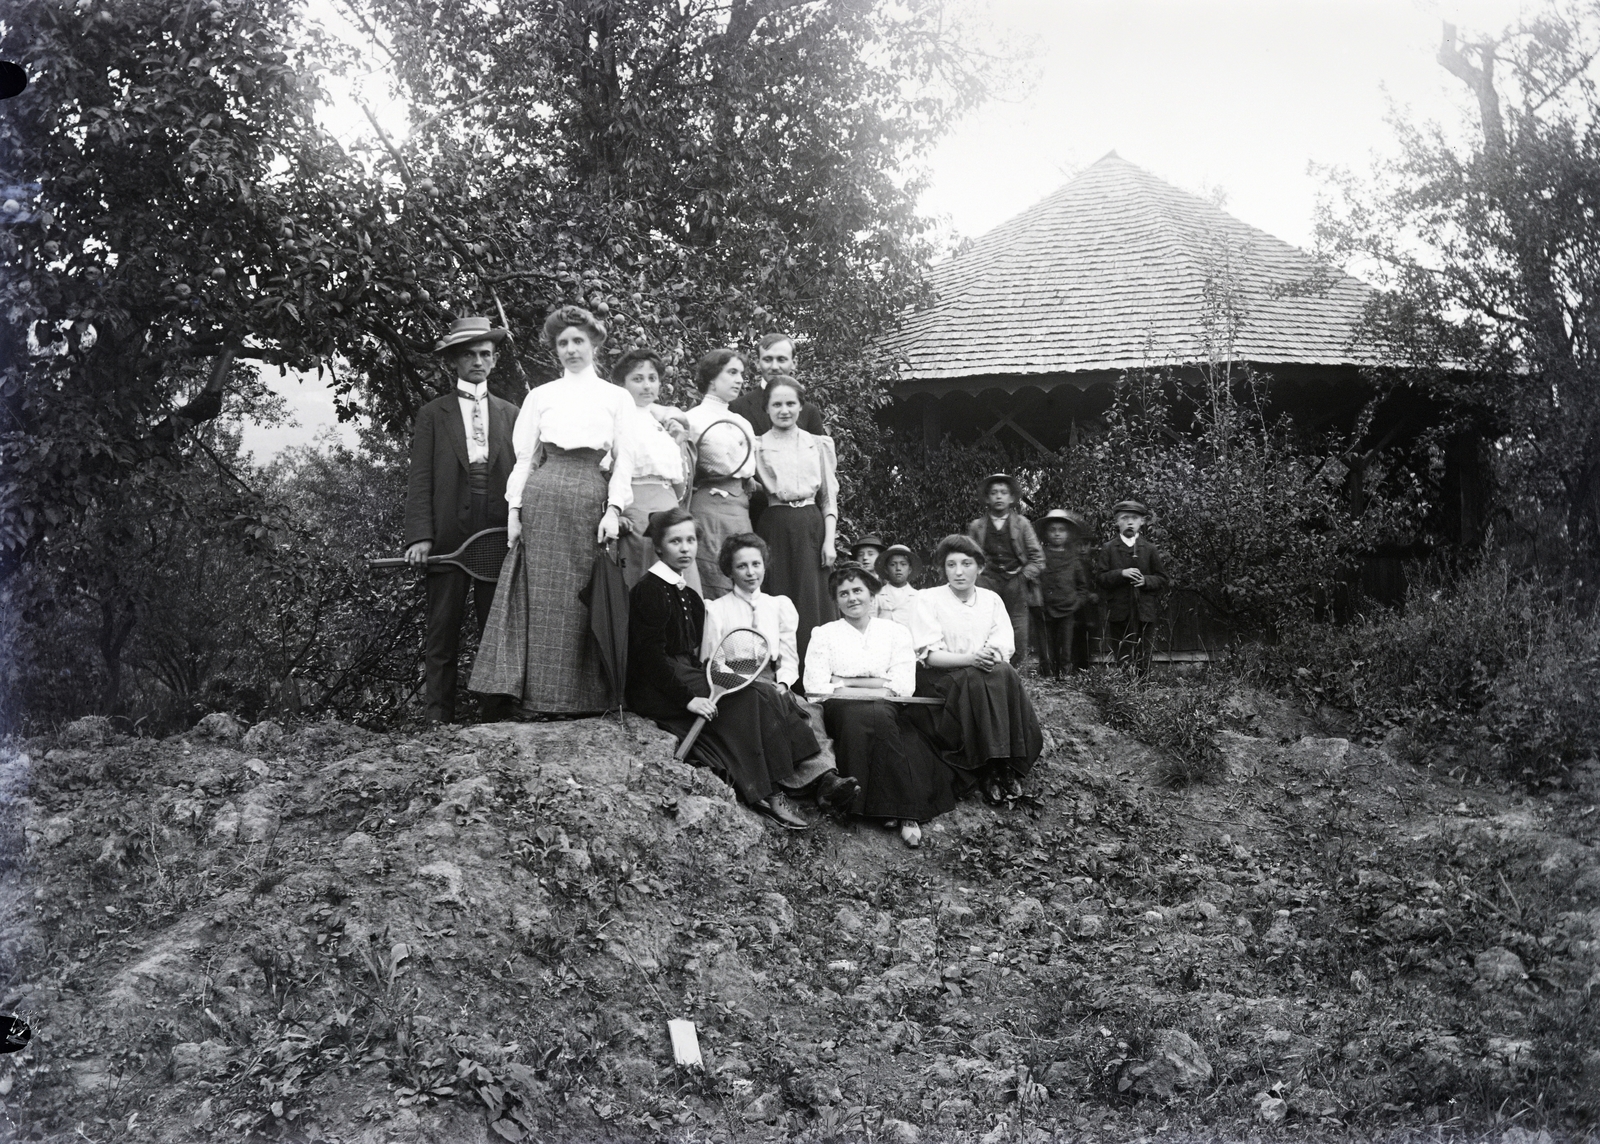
[1490,254]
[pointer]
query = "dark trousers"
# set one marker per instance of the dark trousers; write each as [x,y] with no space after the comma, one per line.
[1052,641]
[1132,643]
[1013,591]
[447,605]
[1083,623]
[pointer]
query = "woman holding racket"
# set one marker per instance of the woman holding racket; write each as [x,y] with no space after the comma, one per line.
[572,481]
[987,728]
[724,463]
[855,664]
[799,470]
[749,734]
[660,470]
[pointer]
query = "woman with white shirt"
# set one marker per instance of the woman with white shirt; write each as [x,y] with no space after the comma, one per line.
[744,560]
[852,665]
[722,480]
[963,636]
[799,470]
[572,481]
[660,470]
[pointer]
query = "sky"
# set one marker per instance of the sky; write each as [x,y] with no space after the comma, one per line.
[1236,96]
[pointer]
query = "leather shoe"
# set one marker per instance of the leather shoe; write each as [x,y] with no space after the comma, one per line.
[911,834]
[836,791]
[782,810]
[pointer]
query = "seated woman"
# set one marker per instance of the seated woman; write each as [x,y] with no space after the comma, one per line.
[964,641]
[752,739]
[743,560]
[903,780]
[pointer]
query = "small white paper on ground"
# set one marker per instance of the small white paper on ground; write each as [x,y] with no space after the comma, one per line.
[685,1042]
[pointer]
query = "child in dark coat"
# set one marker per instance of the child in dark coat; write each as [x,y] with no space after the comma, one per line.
[1064,588]
[1130,572]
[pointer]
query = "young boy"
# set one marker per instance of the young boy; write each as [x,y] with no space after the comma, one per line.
[866,551]
[1131,573]
[895,568]
[1063,589]
[1012,556]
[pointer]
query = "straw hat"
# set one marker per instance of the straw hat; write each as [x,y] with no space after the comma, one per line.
[899,550]
[1071,519]
[464,331]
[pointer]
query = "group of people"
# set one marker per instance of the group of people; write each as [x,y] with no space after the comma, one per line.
[725,516]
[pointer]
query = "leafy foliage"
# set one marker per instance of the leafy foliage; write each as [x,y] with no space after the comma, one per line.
[1180,719]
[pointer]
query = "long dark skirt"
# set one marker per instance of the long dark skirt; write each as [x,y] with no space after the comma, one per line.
[756,740]
[536,644]
[900,772]
[987,719]
[794,566]
[717,517]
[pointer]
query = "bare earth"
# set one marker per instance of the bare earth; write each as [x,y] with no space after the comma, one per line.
[479,934]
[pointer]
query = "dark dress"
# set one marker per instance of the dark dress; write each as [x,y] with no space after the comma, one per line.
[758,735]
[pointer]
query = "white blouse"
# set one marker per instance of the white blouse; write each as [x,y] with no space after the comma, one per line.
[895,603]
[941,622]
[798,466]
[578,411]
[721,449]
[774,617]
[657,456]
[838,648]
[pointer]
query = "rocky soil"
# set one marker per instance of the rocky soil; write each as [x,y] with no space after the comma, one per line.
[479,934]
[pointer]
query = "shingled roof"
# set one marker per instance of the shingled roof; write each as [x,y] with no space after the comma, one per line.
[1112,272]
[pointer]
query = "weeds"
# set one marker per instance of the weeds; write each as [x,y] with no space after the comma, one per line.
[1180,719]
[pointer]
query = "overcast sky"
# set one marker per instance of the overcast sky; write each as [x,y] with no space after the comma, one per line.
[1239,96]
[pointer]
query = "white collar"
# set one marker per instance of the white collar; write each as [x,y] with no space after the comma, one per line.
[1002,520]
[750,599]
[659,568]
[968,603]
[713,401]
[476,392]
[1134,543]
[583,375]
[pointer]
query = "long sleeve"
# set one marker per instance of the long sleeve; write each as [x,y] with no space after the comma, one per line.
[788,641]
[525,441]
[927,632]
[619,489]
[1033,565]
[828,494]
[1001,636]
[902,673]
[1156,578]
[651,609]
[1107,572]
[819,661]
[712,632]
[419,482]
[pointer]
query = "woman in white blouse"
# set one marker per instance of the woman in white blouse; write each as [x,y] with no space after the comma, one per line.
[799,470]
[963,636]
[725,464]
[660,469]
[852,664]
[743,560]
[571,484]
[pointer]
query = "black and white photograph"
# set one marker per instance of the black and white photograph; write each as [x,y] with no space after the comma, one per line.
[734,571]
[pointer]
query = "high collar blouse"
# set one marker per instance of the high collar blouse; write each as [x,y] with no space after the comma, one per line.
[774,617]
[721,449]
[798,466]
[838,648]
[940,621]
[657,456]
[576,411]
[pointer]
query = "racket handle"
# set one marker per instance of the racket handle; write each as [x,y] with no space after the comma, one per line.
[688,740]
[388,562]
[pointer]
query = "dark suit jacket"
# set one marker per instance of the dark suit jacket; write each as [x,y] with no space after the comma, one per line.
[1119,594]
[752,406]
[439,494]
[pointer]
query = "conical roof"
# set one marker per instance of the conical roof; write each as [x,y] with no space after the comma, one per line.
[1118,270]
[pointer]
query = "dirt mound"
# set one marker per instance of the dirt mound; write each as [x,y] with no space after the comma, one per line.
[479,934]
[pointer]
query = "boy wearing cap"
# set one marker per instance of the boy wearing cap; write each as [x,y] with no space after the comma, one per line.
[1063,588]
[896,568]
[1131,573]
[1013,557]
[866,551]
[461,457]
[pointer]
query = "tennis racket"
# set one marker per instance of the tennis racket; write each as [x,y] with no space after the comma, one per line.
[480,557]
[721,449]
[739,658]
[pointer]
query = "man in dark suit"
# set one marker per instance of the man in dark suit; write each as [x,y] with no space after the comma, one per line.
[1131,573]
[774,358]
[461,455]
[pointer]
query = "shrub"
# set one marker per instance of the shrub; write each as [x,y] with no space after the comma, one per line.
[1180,719]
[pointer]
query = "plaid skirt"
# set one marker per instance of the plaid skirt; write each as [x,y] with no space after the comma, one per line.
[537,645]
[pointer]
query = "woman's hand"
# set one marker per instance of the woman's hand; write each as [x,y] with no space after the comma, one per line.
[513,527]
[702,707]
[986,658]
[608,526]
[829,553]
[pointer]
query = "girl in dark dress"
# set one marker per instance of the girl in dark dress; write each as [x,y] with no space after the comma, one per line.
[851,661]
[753,738]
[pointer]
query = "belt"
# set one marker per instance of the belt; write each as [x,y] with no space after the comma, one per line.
[721,487]
[801,503]
[582,454]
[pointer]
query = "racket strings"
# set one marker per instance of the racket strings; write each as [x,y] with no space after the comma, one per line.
[483,556]
[739,658]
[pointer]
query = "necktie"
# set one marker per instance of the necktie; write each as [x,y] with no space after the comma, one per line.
[480,431]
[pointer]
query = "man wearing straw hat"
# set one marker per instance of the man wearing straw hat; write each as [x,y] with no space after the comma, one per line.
[461,456]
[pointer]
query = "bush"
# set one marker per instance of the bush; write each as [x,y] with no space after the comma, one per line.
[1492,659]
[1180,719]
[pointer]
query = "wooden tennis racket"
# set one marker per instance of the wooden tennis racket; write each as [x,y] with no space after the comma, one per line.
[739,658]
[718,461]
[480,557]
